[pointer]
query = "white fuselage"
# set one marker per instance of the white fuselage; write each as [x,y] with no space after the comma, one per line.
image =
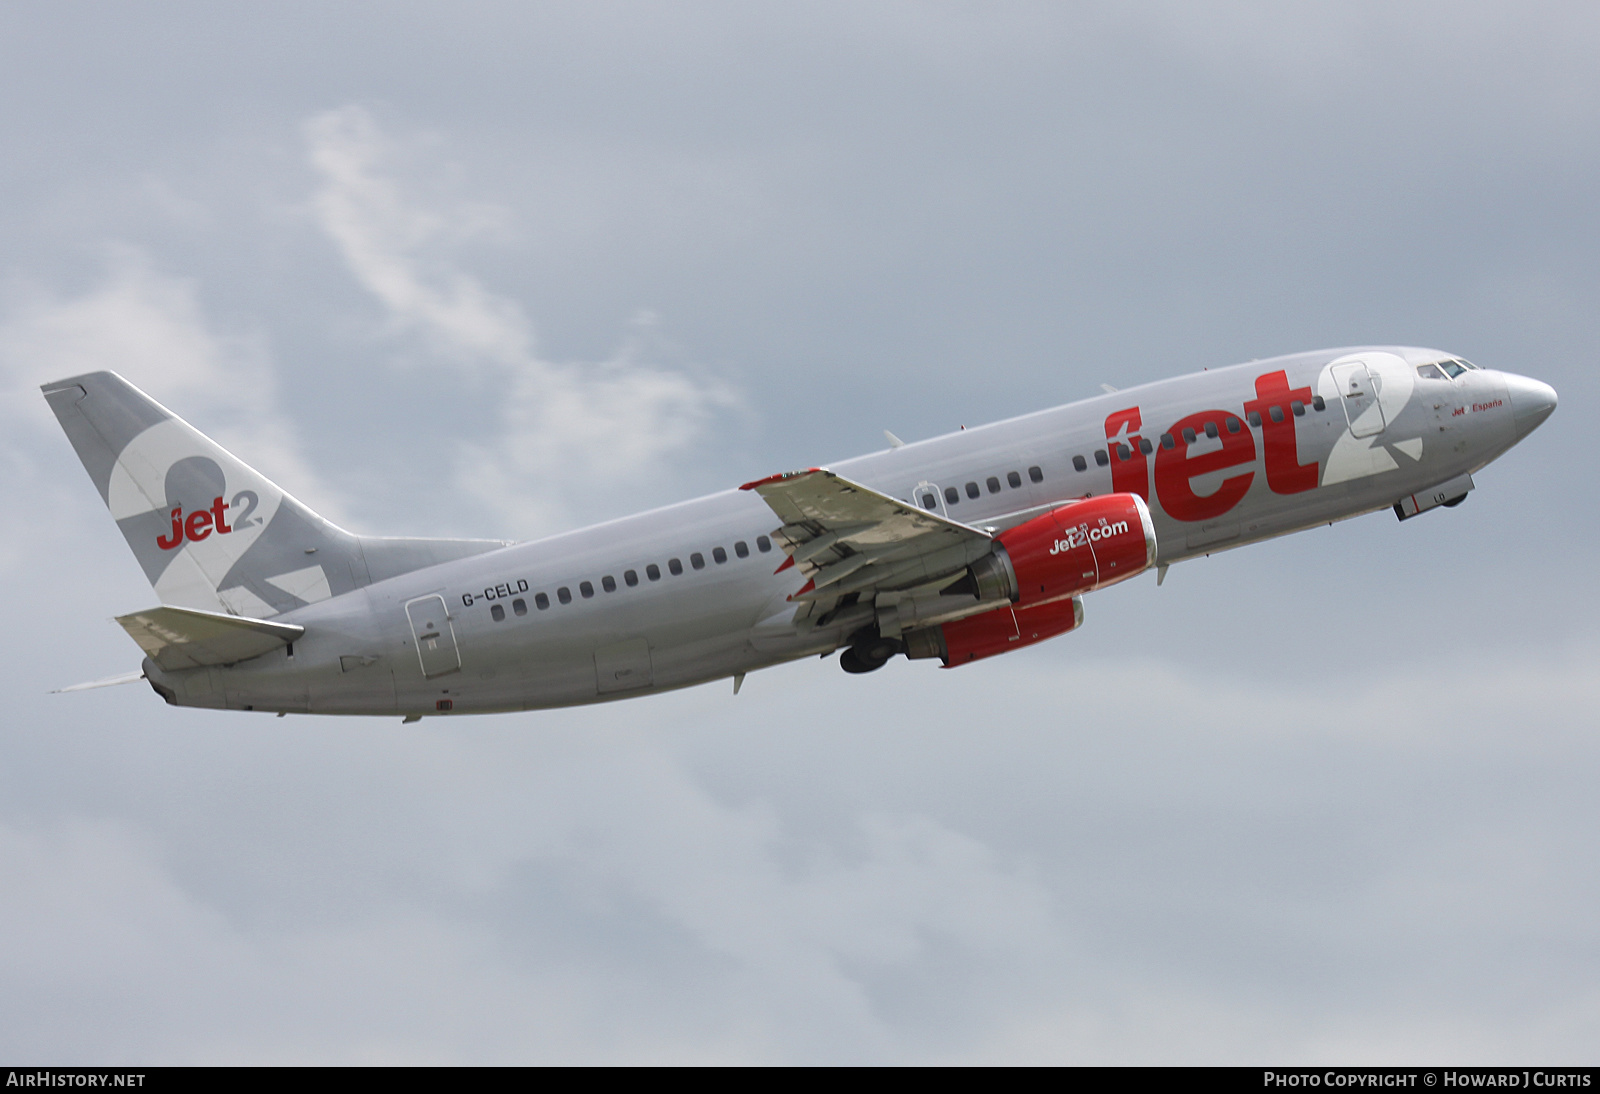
[1385,432]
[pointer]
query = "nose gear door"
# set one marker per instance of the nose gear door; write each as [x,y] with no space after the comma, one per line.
[436,639]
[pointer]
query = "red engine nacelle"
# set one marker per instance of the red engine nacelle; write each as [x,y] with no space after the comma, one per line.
[1086,545]
[999,631]
[1040,568]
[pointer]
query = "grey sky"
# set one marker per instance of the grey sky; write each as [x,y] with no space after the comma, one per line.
[503,269]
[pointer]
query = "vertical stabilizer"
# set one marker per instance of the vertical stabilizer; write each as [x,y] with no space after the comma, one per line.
[210,531]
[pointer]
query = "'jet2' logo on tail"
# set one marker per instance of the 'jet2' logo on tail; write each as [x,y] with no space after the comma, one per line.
[200,523]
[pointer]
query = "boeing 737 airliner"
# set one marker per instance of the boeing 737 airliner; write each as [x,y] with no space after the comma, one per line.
[951,549]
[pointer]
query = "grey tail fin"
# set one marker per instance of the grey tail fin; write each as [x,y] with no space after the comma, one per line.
[210,531]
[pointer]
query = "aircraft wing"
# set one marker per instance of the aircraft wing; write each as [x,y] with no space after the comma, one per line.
[186,638]
[848,538]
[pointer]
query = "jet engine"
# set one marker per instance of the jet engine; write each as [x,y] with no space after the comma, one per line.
[998,631]
[1079,547]
[1039,568]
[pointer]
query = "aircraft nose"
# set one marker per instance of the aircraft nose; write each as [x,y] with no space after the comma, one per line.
[1531,402]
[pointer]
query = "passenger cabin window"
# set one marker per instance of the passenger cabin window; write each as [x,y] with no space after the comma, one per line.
[972,490]
[718,555]
[1233,423]
[653,572]
[1168,441]
[1298,408]
[763,544]
[1124,453]
[1211,430]
[1080,464]
[496,612]
[519,606]
[631,577]
[608,583]
[541,602]
[1145,446]
[1188,436]
[1254,418]
[742,549]
[1035,474]
[697,560]
[1319,403]
[929,501]
[564,595]
[993,484]
[1276,413]
[586,588]
[675,566]
[1014,479]
[951,496]
[1101,458]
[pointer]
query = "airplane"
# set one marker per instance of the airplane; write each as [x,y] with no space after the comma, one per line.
[952,549]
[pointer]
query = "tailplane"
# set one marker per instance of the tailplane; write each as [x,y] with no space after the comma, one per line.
[210,531]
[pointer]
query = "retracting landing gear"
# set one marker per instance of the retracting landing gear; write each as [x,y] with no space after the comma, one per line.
[869,652]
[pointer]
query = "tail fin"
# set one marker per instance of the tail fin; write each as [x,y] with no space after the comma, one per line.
[210,531]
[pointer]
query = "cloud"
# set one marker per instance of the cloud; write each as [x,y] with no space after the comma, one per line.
[563,427]
[627,885]
[150,327]
[382,238]
[1190,878]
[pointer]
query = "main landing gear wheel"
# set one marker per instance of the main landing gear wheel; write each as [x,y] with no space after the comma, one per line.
[868,656]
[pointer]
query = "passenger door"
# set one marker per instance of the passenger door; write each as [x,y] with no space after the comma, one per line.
[436,639]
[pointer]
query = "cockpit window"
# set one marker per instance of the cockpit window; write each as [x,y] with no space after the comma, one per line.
[1463,362]
[1430,372]
[1452,369]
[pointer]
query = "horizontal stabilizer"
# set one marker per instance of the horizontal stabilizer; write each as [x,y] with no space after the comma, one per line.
[186,638]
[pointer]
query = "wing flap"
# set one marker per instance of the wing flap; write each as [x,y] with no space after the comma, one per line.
[186,638]
[849,538]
